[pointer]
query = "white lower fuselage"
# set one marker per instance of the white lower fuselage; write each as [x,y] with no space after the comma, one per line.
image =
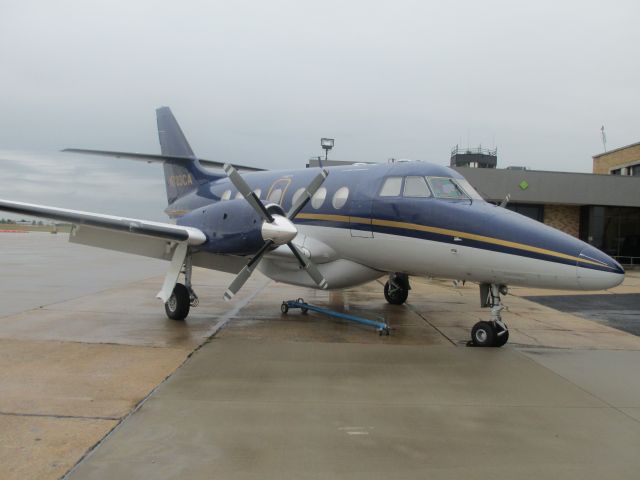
[347,260]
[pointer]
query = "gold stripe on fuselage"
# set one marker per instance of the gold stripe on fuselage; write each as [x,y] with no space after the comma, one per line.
[447,232]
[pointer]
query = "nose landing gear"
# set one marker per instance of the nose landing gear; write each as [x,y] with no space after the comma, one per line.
[493,333]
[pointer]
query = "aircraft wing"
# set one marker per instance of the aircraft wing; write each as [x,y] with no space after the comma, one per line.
[149,157]
[158,230]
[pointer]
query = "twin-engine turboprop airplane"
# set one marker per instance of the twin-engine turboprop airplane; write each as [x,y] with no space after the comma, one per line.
[336,228]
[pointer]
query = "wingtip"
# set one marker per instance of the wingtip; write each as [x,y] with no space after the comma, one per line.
[228,295]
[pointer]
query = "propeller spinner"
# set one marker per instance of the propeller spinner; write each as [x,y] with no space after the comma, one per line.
[276,229]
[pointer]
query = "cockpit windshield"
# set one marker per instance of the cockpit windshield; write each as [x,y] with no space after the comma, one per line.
[443,187]
[438,187]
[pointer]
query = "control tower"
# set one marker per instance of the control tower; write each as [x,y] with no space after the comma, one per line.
[474,157]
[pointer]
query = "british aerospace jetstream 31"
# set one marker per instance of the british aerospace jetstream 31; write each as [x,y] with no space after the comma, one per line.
[335,228]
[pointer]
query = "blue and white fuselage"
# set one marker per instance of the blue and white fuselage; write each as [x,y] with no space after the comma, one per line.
[368,234]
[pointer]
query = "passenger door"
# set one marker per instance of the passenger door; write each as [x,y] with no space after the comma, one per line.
[360,211]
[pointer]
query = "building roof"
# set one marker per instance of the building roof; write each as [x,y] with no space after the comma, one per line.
[637,144]
[559,188]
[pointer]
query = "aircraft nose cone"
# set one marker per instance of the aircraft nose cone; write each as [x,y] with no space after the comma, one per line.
[597,270]
[280,231]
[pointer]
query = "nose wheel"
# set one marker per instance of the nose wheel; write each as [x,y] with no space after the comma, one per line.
[493,333]
[488,334]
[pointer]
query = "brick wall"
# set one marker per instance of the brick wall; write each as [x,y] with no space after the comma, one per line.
[563,217]
[605,162]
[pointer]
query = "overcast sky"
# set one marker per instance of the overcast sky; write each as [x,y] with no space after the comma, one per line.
[260,82]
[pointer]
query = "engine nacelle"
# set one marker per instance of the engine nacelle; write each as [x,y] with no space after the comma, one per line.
[232,226]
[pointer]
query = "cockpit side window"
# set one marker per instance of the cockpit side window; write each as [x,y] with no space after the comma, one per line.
[469,190]
[416,187]
[391,187]
[444,187]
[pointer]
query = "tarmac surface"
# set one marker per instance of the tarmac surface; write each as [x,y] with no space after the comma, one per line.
[95,382]
[621,311]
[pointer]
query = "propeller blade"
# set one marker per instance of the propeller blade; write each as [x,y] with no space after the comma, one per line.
[309,267]
[246,272]
[307,194]
[246,192]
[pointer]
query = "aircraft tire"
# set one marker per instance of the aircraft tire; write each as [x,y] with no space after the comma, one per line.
[177,308]
[502,339]
[398,298]
[483,334]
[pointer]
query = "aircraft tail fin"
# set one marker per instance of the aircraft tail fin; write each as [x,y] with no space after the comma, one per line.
[172,140]
[183,171]
[184,176]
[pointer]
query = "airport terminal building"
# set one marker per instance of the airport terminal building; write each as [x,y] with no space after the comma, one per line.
[601,208]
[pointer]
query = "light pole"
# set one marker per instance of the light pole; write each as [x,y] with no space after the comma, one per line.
[327,144]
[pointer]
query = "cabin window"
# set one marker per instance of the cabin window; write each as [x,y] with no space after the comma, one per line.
[318,198]
[277,190]
[444,187]
[226,195]
[296,196]
[416,187]
[275,195]
[391,187]
[340,198]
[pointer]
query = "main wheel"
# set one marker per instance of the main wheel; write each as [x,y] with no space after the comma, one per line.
[395,295]
[177,307]
[483,334]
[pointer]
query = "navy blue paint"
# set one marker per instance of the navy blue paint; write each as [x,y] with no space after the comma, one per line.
[181,177]
[364,182]
[231,227]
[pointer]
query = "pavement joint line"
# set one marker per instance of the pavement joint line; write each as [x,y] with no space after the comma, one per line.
[608,404]
[53,415]
[406,404]
[414,310]
[228,316]
[82,342]
[216,328]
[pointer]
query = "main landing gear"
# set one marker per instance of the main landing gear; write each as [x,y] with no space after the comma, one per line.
[183,296]
[493,333]
[396,290]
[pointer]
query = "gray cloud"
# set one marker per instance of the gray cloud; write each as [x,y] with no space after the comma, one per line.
[261,82]
[82,183]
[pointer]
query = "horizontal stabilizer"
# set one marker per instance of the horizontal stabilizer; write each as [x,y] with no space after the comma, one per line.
[149,157]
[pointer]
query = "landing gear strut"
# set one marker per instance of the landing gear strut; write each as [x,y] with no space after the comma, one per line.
[183,297]
[396,290]
[493,333]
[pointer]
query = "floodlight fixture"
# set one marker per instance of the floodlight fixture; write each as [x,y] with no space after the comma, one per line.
[326,144]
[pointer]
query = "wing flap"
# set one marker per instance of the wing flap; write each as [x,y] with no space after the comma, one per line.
[122,242]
